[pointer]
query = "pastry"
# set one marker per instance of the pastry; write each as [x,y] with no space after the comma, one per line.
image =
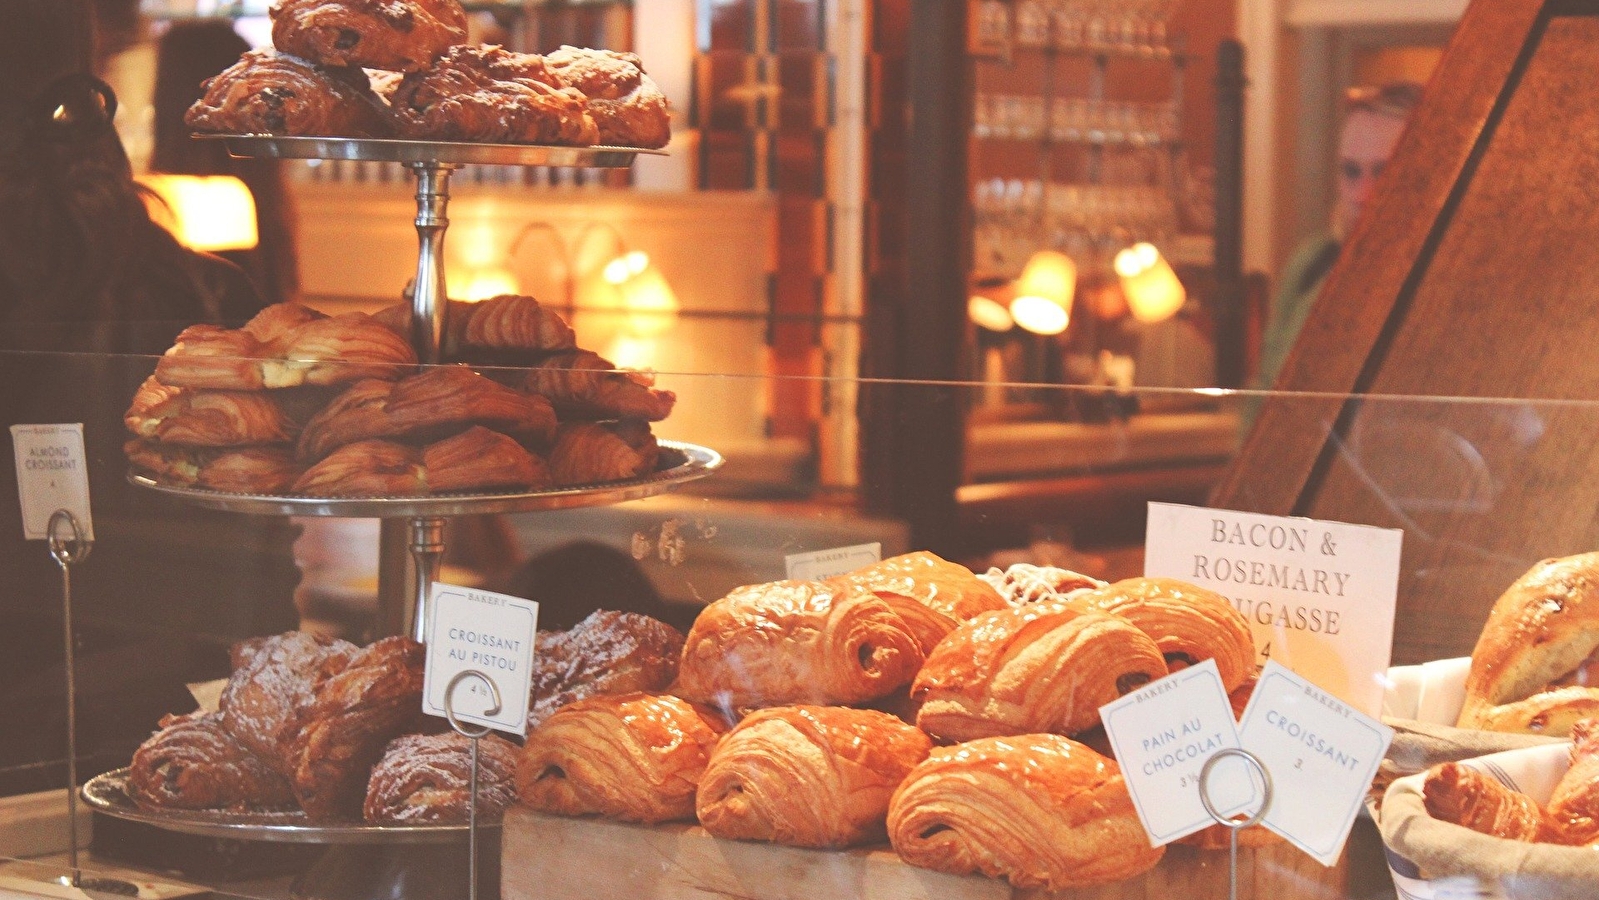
[594,452]
[434,403]
[1574,805]
[1025,583]
[199,418]
[932,595]
[322,351]
[239,470]
[478,459]
[1190,624]
[354,716]
[267,92]
[584,385]
[210,356]
[1044,667]
[426,779]
[400,35]
[635,757]
[492,95]
[808,776]
[1038,810]
[267,699]
[366,469]
[1529,665]
[1462,795]
[274,322]
[796,642]
[627,107]
[509,322]
[608,652]
[194,763]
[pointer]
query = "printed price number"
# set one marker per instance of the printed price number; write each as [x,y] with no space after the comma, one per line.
[1189,779]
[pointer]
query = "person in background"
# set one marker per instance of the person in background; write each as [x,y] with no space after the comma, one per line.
[1374,118]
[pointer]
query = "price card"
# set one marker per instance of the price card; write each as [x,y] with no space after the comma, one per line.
[1321,753]
[1319,596]
[52,474]
[1162,734]
[827,563]
[484,632]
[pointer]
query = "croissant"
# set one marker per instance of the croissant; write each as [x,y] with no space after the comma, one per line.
[337,350]
[594,452]
[1025,583]
[1038,810]
[243,470]
[479,459]
[932,595]
[1189,623]
[194,763]
[267,699]
[274,322]
[366,469]
[1535,649]
[634,757]
[584,385]
[796,642]
[427,778]
[354,716]
[1574,805]
[200,418]
[808,776]
[209,356]
[1045,667]
[507,322]
[1464,796]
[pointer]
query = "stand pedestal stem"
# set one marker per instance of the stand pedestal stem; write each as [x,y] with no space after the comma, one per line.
[429,304]
[427,549]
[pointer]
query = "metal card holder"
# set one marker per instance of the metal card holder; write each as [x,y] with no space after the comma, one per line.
[474,733]
[1234,825]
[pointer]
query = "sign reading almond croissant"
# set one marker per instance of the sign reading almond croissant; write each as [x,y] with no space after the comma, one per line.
[1319,596]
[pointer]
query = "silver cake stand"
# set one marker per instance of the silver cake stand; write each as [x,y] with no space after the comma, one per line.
[390,862]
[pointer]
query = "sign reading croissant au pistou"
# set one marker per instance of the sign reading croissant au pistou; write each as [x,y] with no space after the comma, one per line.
[1319,596]
[490,635]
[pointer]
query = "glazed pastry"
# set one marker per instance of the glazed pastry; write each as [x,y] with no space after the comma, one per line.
[325,351]
[627,107]
[932,595]
[796,642]
[1044,667]
[1464,796]
[194,763]
[1535,650]
[425,779]
[425,406]
[584,385]
[267,92]
[808,776]
[199,418]
[594,452]
[402,35]
[608,652]
[1189,624]
[239,470]
[510,322]
[366,469]
[634,757]
[1024,583]
[1574,805]
[354,716]
[1038,810]
[267,700]
[492,95]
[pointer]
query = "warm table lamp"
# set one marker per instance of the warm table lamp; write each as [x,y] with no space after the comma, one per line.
[1151,287]
[1044,293]
[205,212]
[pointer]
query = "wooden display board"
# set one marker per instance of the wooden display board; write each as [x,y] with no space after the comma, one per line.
[1474,274]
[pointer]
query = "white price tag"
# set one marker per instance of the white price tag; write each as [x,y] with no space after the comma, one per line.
[1322,756]
[1162,734]
[1319,596]
[52,474]
[484,632]
[827,563]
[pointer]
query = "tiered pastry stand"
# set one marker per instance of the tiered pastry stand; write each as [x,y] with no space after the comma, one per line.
[368,862]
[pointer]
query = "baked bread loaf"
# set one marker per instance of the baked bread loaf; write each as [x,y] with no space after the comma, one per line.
[635,757]
[267,92]
[1574,805]
[194,763]
[354,716]
[426,779]
[594,452]
[268,699]
[240,470]
[793,642]
[492,95]
[1189,623]
[1036,810]
[1044,667]
[509,322]
[434,403]
[1529,668]
[399,35]
[609,652]
[1025,583]
[1462,795]
[808,776]
[628,109]
[931,594]
[585,386]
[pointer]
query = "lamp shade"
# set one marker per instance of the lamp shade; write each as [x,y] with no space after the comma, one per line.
[1038,315]
[989,313]
[1049,274]
[1151,287]
[206,212]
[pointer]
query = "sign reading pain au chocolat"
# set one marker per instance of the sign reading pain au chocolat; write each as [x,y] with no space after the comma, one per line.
[1319,596]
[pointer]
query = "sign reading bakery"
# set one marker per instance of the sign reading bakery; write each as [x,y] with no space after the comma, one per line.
[1319,596]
